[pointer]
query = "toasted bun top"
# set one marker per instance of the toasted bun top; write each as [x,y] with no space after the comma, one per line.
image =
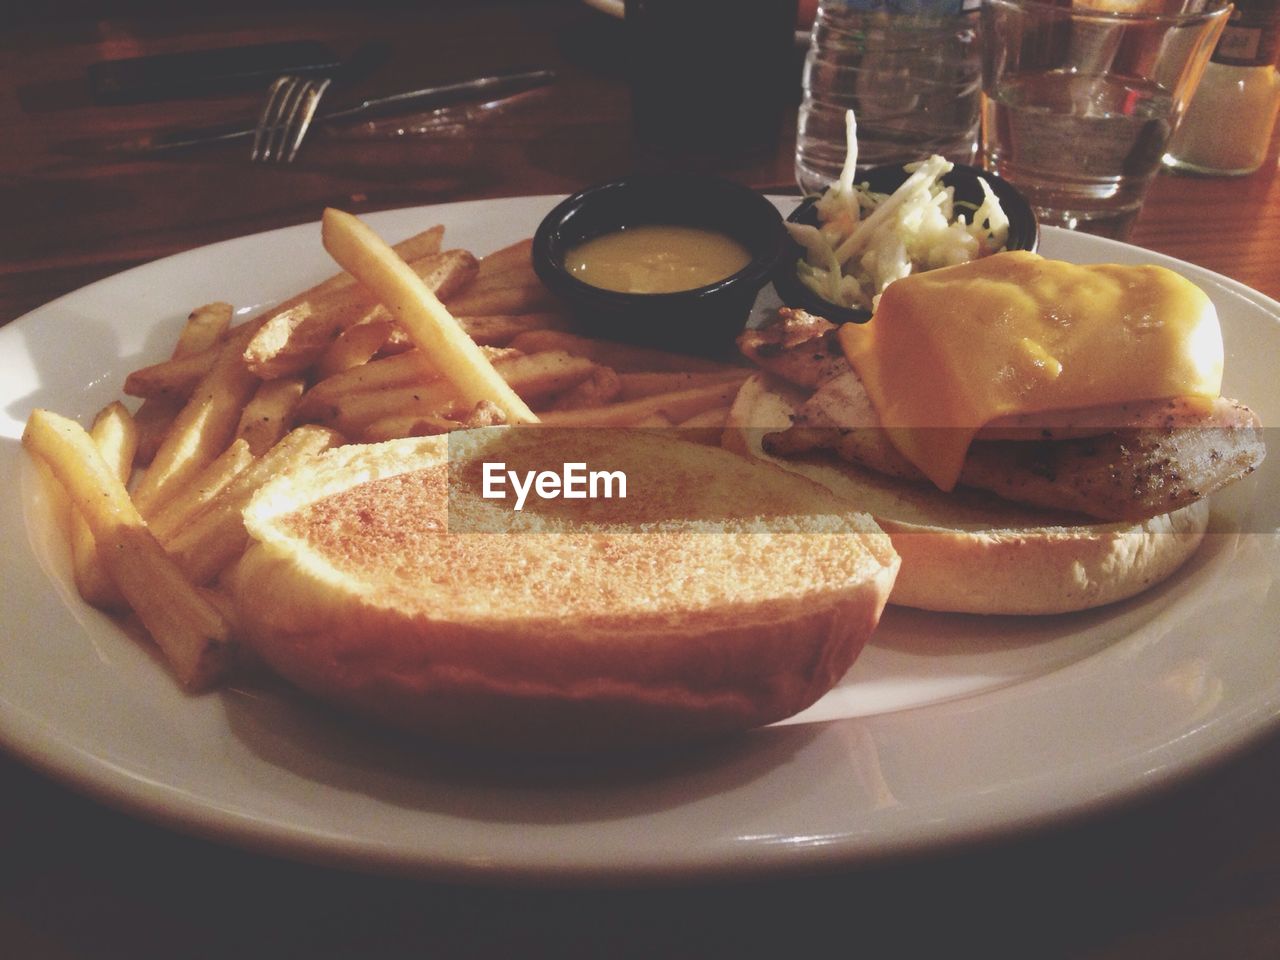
[405,524]
[719,595]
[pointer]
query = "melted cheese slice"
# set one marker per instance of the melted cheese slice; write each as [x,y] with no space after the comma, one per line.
[952,349]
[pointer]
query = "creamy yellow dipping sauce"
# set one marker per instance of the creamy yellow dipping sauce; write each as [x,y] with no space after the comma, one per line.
[656,258]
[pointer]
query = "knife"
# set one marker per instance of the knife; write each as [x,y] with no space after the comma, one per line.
[494,87]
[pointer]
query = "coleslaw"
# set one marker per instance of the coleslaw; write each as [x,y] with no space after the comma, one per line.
[866,240]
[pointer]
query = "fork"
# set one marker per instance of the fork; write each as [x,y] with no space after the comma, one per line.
[286,116]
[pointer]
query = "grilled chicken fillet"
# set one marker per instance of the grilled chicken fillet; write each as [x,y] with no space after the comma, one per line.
[1124,462]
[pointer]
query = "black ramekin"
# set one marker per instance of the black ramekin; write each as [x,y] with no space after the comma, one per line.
[1024,230]
[702,320]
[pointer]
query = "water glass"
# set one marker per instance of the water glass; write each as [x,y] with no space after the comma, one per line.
[1079,103]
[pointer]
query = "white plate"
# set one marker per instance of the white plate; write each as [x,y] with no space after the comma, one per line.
[947,729]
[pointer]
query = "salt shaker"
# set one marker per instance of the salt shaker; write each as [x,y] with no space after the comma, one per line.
[1227,127]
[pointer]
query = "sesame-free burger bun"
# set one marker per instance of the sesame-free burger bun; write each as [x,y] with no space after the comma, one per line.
[714,598]
[969,552]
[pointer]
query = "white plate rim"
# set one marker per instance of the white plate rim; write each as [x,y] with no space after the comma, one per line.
[615,848]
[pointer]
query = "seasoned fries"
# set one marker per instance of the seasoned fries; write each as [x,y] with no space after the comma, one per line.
[408,340]
[268,415]
[201,430]
[516,256]
[525,298]
[205,326]
[416,247]
[674,407]
[423,316]
[355,346]
[215,536]
[290,342]
[211,481]
[621,357]
[632,386]
[397,371]
[173,379]
[192,633]
[531,377]
[116,436]
[498,329]
[602,387]
[177,378]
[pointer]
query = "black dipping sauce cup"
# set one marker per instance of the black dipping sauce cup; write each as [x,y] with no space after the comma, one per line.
[702,320]
[1024,230]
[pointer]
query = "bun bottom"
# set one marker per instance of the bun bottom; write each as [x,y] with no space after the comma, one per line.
[967,552]
[1040,570]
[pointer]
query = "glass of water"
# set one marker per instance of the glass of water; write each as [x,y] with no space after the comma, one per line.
[1079,103]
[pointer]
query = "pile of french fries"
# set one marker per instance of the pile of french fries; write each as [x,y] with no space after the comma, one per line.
[407,341]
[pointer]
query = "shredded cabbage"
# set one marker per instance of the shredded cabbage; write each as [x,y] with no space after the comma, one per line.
[867,240]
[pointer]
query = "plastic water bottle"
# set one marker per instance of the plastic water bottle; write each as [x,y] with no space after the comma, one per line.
[911,70]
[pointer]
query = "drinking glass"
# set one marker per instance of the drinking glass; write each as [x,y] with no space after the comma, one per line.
[1079,103]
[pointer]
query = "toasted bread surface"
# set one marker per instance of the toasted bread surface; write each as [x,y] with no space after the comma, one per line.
[720,594]
[969,552]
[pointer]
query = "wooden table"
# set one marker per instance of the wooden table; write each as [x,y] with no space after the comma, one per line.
[1189,873]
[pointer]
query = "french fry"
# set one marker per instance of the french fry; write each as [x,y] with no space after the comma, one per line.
[503,328]
[622,357]
[417,309]
[172,379]
[603,386]
[356,345]
[215,536]
[191,632]
[403,369]
[526,298]
[635,385]
[397,342]
[176,378]
[210,482]
[406,425]
[531,377]
[205,326]
[516,255]
[420,245]
[517,275]
[153,419]
[291,342]
[269,413]
[116,437]
[417,247]
[400,370]
[676,407]
[200,432]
